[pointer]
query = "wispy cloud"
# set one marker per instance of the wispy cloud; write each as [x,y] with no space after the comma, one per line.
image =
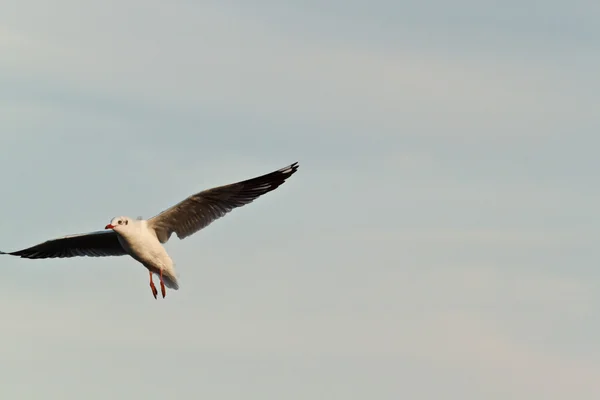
[202,62]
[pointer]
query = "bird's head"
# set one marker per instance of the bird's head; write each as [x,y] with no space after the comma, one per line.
[118,223]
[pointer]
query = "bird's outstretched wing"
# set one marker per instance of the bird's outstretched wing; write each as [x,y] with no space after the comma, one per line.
[201,209]
[93,244]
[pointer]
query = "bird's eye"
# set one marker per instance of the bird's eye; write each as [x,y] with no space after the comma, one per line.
[120,222]
[126,222]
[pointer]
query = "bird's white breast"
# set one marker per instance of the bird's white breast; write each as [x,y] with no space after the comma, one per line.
[143,245]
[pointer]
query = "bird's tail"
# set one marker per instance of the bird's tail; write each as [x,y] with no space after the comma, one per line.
[170,279]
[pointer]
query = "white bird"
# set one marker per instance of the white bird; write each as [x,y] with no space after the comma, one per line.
[143,239]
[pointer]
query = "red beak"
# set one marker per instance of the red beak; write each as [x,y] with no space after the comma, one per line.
[109,226]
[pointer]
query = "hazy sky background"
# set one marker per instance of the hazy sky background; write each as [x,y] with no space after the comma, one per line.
[438,242]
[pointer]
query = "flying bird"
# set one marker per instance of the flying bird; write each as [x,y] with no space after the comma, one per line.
[143,239]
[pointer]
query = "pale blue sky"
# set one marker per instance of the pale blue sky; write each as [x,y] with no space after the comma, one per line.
[438,241]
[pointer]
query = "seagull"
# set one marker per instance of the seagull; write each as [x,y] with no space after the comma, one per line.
[143,239]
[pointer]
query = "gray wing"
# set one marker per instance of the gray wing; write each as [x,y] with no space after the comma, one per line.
[201,209]
[93,244]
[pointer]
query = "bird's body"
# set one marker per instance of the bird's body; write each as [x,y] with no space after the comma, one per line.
[141,243]
[143,239]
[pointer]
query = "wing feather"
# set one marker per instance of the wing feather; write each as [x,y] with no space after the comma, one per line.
[201,209]
[93,244]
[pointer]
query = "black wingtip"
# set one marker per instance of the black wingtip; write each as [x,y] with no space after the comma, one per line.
[14,253]
[282,174]
[290,169]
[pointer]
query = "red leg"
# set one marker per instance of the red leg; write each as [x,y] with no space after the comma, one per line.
[154,291]
[162,286]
